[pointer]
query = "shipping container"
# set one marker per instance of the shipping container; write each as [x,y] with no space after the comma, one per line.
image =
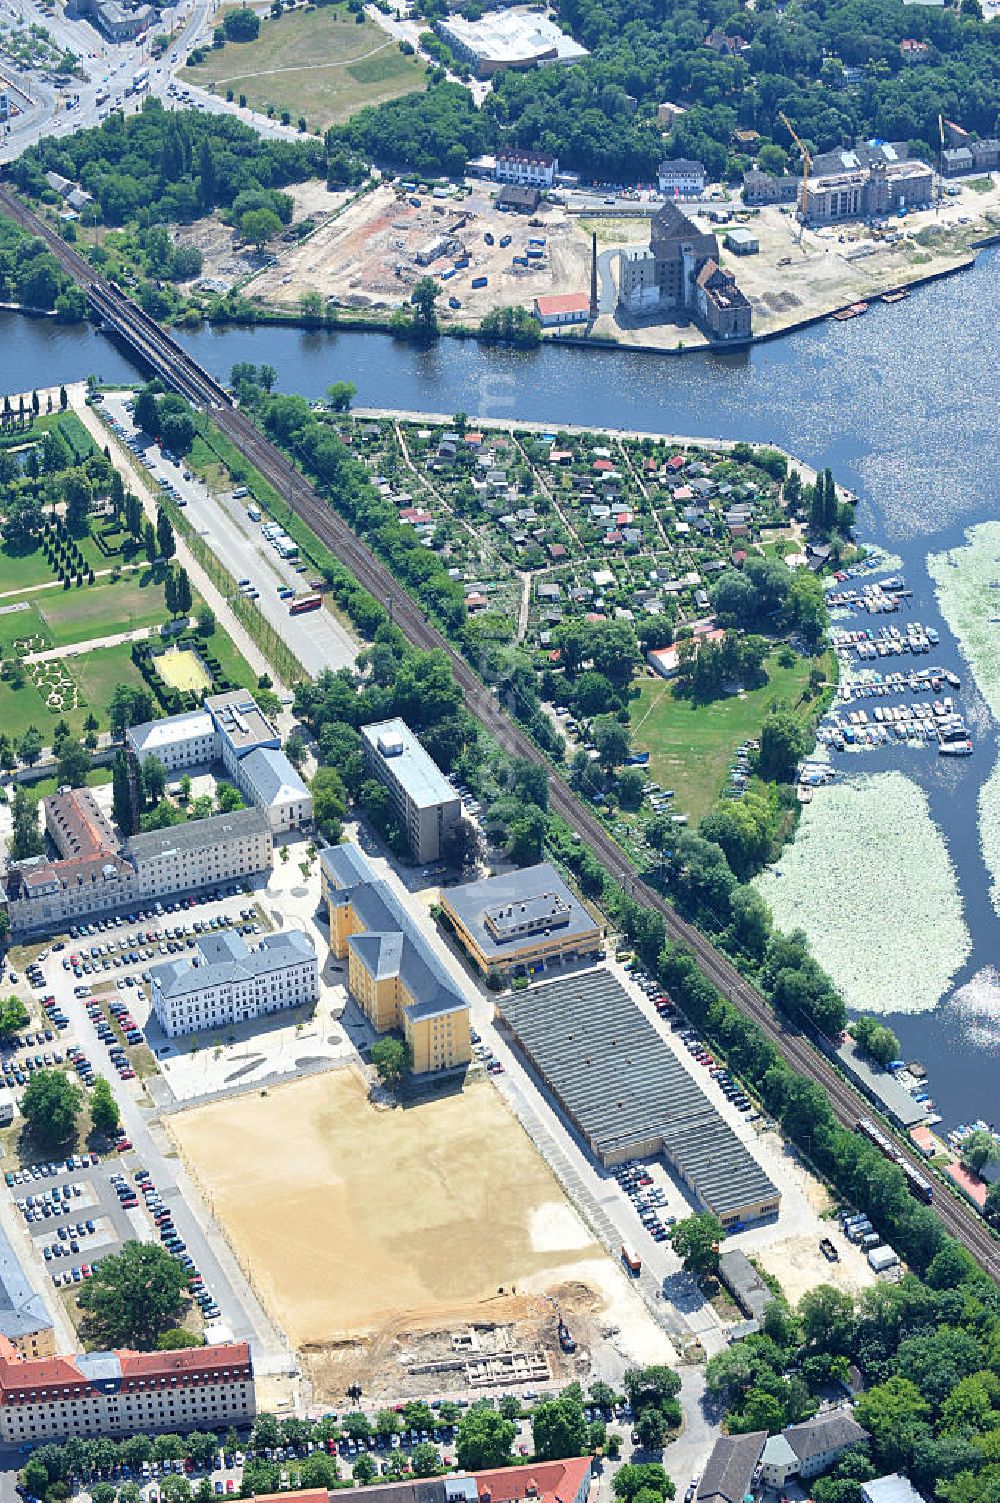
[479,281]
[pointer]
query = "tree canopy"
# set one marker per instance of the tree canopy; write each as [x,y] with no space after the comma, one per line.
[134,1296]
[51,1105]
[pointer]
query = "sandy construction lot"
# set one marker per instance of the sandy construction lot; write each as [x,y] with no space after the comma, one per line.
[367,256]
[346,1218]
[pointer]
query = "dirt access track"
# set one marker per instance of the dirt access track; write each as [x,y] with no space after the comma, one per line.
[348,1218]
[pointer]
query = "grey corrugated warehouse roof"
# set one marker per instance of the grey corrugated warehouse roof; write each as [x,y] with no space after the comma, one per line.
[626,1090]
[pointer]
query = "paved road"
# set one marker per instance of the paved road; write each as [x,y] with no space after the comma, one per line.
[609,293]
[109,66]
[317,639]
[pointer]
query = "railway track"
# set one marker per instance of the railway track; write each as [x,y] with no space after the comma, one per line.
[163,355]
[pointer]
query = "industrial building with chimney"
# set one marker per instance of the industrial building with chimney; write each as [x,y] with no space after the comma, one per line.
[680,273]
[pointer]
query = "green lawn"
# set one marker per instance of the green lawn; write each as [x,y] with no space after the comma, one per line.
[98,673]
[18,626]
[45,787]
[20,569]
[691,745]
[20,708]
[320,63]
[234,665]
[95,673]
[84,613]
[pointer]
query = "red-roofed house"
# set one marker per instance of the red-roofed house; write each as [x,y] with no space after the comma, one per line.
[547,1481]
[538,1482]
[562,308]
[117,1393]
[602,466]
[674,463]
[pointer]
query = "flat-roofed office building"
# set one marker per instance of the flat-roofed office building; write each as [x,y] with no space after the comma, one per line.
[427,804]
[520,922]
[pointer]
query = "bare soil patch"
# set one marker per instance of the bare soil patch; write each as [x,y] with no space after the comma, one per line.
[352,1221]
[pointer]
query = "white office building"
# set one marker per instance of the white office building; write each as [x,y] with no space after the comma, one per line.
[531,169]
[269,780]
[179,742]
[427,804]
[232,729]
[225,982]
[681,178]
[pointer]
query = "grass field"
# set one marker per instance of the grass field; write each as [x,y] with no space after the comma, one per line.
[348,1218]
[359,65]
[96,674]
[20,569]
[104,608]
[85,613]
[691,745]
[617,231]
[46,787]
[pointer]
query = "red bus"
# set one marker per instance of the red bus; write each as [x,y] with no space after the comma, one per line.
[307,603]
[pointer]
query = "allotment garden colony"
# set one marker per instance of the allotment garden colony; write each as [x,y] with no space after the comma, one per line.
[902,407]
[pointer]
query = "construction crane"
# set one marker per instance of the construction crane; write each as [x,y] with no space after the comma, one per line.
[806,163]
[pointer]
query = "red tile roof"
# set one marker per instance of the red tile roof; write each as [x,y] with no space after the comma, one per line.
[562,302]
[308,1495]
[37,1375]
[548,1481]
[192,1360]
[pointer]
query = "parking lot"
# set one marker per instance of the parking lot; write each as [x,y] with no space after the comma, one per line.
[73,1214]
[318,639]
[91,989]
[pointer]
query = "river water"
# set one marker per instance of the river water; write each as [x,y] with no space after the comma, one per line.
[901,404]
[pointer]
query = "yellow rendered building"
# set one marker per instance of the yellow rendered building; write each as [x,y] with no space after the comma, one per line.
[392,972]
